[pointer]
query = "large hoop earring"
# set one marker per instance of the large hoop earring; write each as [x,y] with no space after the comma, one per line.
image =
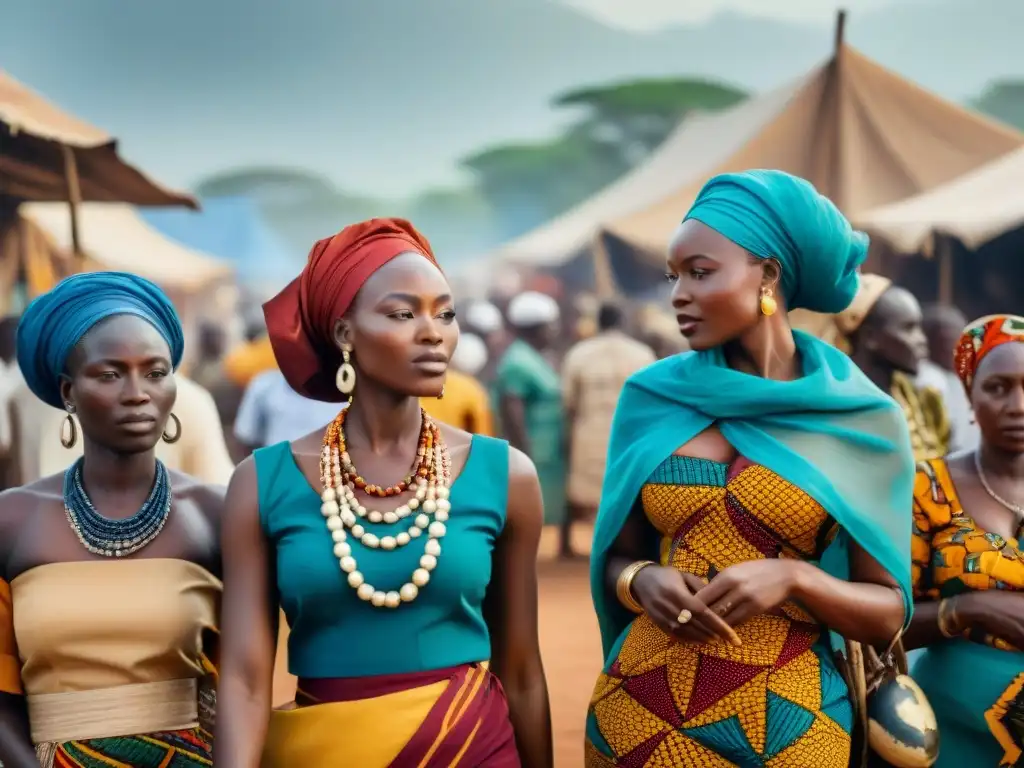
[345,380]
[768,303]
[177,430]
[68,426]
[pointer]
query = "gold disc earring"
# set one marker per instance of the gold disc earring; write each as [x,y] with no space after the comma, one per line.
[345,380]
[768,303]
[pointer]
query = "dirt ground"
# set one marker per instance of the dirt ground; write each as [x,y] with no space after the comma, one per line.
[570,645]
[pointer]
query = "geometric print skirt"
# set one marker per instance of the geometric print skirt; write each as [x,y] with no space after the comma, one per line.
[777,700]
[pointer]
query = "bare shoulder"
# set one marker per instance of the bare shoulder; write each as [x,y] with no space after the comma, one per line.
[207,497]
[19,505]
[521,468]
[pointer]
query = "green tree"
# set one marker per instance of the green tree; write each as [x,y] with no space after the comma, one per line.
[529,183]
[636,116]
[300,205]
[1003,100]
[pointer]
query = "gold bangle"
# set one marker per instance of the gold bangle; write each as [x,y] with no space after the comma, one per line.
[947,618]
[624,585]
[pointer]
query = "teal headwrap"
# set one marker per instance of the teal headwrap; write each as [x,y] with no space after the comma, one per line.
[776,215]
[831,432]
[55,322]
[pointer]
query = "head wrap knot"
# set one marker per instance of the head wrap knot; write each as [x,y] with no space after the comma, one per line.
[57,320]
[981,337]
[775,215]
[301,318]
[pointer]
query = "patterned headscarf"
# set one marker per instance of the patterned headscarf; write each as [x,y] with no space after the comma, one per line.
[981,337]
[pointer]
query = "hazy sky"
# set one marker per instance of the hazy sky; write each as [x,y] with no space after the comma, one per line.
[653,14]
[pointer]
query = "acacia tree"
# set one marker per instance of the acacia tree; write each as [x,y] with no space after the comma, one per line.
[529,183]
[1003,100]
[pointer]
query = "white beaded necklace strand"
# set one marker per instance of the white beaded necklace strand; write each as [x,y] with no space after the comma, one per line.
[342,511]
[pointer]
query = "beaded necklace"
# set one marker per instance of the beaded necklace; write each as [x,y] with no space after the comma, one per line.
[429,482]
[116,538]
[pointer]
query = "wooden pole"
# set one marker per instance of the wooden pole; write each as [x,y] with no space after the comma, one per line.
[944,246]
[74,195]
[840,29]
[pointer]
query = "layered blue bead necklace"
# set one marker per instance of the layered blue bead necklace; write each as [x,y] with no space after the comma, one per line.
[116,538]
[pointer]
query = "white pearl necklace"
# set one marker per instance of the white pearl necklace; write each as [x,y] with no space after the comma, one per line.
[342,510]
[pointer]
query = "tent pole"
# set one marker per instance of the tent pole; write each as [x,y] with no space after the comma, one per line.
[840,29]
[945,248]
[74,195]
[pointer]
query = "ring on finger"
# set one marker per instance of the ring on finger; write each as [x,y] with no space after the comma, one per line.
[724,609]
[684,616]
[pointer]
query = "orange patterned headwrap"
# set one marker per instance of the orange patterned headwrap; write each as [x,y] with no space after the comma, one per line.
[981,337]
[301,318]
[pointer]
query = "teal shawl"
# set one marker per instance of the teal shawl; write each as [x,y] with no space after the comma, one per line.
[831,432]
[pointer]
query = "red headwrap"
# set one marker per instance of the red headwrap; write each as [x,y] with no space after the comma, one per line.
[981,337]
[301,318]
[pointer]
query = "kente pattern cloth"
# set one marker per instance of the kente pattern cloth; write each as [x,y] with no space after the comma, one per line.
[777,700]
[171,749]
[981,337]
[982,723]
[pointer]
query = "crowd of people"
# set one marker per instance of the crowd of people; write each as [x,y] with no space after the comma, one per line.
[829,477]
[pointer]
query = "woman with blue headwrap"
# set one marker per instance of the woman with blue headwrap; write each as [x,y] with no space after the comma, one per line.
[109,573]
[757,496]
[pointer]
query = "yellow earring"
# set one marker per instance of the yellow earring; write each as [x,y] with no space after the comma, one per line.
[768,303]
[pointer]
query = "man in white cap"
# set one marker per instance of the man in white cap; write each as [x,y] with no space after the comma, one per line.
[484,319]
[529,394]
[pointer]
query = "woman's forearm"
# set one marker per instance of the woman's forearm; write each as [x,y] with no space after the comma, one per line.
[924,627]
[242,717]
[530,714]
[863,612]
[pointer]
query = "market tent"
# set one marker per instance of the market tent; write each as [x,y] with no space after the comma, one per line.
[48,155]
[862,134]
[234,230]
[114,237]
[974,208]
[701,141]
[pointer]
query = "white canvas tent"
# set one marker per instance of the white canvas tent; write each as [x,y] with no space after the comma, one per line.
[974,208]
[114,237]
[864,136]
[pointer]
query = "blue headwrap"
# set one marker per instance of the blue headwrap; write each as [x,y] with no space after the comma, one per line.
[776,215]
[55,322]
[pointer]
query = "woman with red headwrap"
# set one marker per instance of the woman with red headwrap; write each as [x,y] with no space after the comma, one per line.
[402,551]
[968,566]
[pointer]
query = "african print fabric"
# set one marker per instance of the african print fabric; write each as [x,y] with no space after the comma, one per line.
[777,700]
[171,749]
[981,337]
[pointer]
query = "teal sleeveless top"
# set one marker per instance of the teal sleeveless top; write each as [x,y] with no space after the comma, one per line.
[333,632]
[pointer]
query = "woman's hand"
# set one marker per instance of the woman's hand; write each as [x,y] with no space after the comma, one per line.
[750,589]
[668,595]
[995,612]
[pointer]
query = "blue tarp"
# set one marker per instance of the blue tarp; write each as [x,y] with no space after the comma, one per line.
[232,229]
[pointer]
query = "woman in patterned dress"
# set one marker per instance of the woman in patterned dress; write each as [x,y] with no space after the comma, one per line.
[770,482]
[968,566]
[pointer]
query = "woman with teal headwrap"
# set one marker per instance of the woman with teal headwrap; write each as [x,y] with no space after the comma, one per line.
[757,496]
[109,571]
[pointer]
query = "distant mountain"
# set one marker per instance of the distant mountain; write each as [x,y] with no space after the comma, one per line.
[382,97]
